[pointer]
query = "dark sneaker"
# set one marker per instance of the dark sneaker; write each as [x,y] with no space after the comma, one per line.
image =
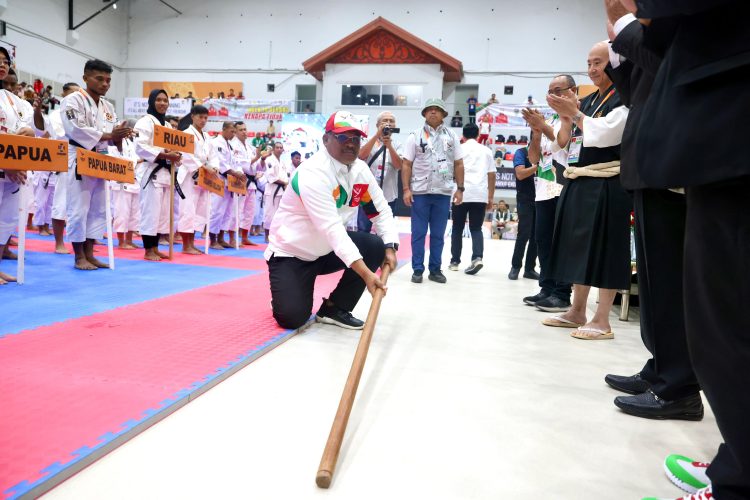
[649,405]
[437,277]
[531,275]
[533,299]
[475,266]
[333,315]
[513,274]
[553,304]
[453,266]
[416,277]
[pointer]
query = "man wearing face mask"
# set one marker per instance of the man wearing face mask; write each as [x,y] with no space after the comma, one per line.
[432,161]
[308,235]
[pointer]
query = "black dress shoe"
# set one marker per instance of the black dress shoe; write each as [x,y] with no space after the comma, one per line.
[531,275]
[632,385]
[649,405]
[513,274]
[334,315]
[437,277]
[533,299]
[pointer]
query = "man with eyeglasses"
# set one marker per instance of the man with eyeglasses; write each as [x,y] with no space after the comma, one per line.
[16,117]
[432,168]
[308,235]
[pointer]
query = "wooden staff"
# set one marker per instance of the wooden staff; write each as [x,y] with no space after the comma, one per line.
[172,166]
[336,437]
[108,215]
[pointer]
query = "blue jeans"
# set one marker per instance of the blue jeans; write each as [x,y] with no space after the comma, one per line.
[432,210]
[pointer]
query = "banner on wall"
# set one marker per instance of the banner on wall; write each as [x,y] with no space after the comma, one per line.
[505,178]
[509,114]
[137,107]
[200,90]
[247,110]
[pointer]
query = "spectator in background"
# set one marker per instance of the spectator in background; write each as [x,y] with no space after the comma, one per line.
[176,95]
[472,103]
[38,87]
[11,82]
[308,109]
[492,100]
[221,95]
[479,181]
[21,89]
[231,94]
[174,121]
[500,217]
[240,96]
[485,127]
[271,130]
[210,95]
[525,196]
[457,120]
[192,99]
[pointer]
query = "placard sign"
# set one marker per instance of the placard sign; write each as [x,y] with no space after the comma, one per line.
[237,186]
[18,152]
[106,167]
[174,140]
[210,181]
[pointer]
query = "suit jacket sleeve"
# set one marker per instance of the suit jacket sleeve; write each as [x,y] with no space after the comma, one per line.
[621,77]
[650,9]
[629,44]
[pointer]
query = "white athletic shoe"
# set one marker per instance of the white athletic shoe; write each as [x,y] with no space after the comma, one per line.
[686,474]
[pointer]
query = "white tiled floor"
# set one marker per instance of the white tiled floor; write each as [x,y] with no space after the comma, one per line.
[465,395]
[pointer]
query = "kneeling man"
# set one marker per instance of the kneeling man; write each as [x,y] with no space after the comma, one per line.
[308,234]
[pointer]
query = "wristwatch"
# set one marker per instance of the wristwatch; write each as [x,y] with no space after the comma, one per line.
[461,188]
[394,246]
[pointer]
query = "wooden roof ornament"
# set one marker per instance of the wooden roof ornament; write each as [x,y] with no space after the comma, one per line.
[382,42]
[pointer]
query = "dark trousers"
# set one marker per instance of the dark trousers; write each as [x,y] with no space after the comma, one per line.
[526,223]
[475,211]
[292,281]
[717,294]
[659,239]
[543,232]
[364,224]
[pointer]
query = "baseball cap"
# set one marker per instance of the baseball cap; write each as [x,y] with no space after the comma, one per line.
[344,121]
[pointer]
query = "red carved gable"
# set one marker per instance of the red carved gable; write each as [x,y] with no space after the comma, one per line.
[383,48]
[382,42]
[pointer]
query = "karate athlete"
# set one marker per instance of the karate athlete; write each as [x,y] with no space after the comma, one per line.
[90,122]
[153,175]
[277,178]
[244,155]
[195,205]
[44,191]
[57,131]
[15,118]
[260,185]
[126,198]
[222,209]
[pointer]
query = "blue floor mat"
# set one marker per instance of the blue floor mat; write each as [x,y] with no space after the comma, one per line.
[59,292]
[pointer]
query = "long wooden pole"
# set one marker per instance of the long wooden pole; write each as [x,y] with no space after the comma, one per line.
[336,437]
[171,211]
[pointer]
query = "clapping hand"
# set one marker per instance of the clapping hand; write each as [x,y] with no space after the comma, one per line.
[565,105]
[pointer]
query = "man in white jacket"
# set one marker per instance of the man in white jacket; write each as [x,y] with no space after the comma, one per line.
[222,209]
[308,235]
[244,155]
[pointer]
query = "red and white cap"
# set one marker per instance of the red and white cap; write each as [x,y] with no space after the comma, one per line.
[344,121]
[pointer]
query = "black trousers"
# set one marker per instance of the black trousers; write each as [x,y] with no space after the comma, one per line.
[292,281]
[475,211]
[543,232]
[717,294]
[526,223]
[659,239]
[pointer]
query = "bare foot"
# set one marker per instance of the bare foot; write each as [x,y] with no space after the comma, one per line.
[192,251]
[85,265]
[127,246]
[573,317]
[161,254]
[7,254]
[178,238]
[249,243]
[224,244]
[7,278]
[44,232]
[96,262]
[3,282]
[163,241]
[97,242]
[216,246]
[61,250]
[13,242]
[151,254]
[232,243]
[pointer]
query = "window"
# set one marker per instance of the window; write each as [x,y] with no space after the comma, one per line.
[381,95]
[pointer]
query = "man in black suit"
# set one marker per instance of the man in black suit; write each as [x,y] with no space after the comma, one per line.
[691,134]
[666,387]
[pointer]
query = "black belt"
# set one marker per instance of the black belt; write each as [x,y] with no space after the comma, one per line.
[74,143]
[160,165]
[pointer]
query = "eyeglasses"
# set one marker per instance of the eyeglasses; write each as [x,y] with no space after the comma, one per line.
[558,92]
[343,138]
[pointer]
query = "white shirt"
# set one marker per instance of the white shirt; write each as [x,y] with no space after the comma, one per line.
[484,128]
[390,182]
[223,151]
[128,153]
[85,121]
[56,126]
[276,170]
[605,131]
[203,156]
[478,163]
[433,153]
[145,149]
[325,194]
[546,186]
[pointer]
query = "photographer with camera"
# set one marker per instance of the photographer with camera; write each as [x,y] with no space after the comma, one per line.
[383,156]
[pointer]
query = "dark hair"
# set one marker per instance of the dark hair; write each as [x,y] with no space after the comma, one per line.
[97,65]
[237,124]
[170,118]
[569,81]
[226,125]
[198,110]
[70,85]
[296,153]
[471,131]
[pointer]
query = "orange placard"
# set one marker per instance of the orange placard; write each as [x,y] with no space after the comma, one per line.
[18,152]
[236,185]
[210,181]
[174,140]
[106,167]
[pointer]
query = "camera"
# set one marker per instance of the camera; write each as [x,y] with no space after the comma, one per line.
[390,130]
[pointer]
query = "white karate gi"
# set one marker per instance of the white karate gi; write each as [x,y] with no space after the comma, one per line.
[57,131]
[222,207]
[44,192]
[276,170]
[154,184]
[244,155]
[194,208]
[125,197]
[85,122]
